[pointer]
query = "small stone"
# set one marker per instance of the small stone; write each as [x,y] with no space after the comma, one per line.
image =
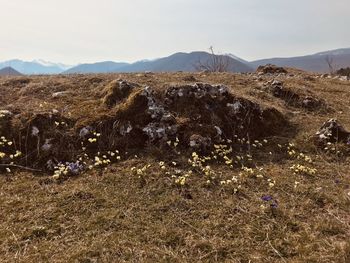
[59,94]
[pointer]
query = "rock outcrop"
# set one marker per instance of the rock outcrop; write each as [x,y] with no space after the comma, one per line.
[196,116]
[271,69]
[332,131]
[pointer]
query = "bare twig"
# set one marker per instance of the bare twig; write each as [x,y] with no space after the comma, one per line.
[20,167]
[274,249]
[330,62]
[215,63]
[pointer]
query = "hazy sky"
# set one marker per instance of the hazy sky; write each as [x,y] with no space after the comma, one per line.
[74,31]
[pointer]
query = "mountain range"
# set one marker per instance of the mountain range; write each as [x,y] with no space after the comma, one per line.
[175,62]
[35,67]
[339,58]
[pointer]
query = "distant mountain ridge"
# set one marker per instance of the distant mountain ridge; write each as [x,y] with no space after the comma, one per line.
[99,67]
[176,62]
[51,64]
[34,67]
[185,62]
[316,62]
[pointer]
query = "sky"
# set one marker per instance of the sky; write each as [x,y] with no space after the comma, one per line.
[83,31]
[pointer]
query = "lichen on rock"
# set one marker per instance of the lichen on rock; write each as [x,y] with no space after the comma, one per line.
[332,131]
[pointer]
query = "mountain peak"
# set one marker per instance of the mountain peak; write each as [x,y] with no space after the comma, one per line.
[9,71]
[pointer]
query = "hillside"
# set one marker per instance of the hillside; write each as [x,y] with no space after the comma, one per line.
[175,167]
[8,71]
[183,62]
[316,62]
[99,67]
[173,63]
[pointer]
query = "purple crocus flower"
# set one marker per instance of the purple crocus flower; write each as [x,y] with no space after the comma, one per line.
[266,198]
[274,204]
[75,168]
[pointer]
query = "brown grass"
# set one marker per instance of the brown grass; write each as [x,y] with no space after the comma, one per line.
[115,216]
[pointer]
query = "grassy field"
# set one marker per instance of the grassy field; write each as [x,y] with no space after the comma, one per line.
[283,199]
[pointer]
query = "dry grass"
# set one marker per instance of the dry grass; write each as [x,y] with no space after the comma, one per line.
[114,215]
